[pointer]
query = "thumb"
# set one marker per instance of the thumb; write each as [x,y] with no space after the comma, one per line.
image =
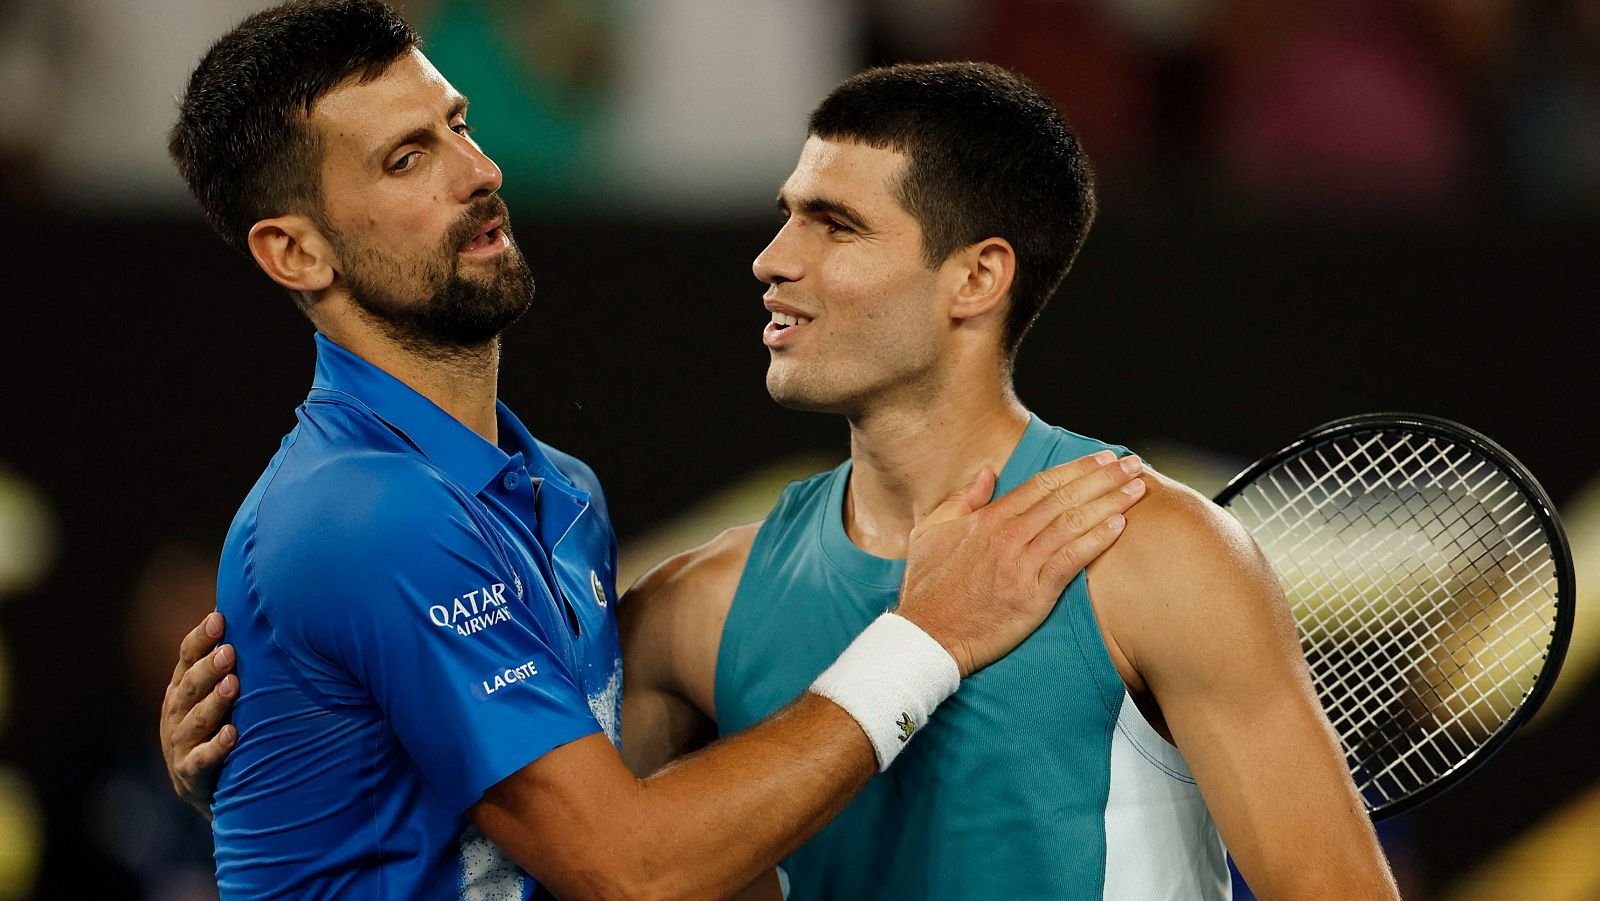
[981,490]
[961,502]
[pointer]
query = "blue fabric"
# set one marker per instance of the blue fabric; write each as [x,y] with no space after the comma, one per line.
[1003,793]
[418,614]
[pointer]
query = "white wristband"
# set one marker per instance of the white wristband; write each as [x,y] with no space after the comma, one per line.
[890,679]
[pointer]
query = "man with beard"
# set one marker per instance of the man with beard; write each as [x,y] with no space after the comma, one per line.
[419,592]
[933,211]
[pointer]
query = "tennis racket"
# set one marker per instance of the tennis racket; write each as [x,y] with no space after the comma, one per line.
[1432,586]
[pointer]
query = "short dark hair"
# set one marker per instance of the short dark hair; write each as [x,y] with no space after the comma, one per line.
[989,156]
[242,141]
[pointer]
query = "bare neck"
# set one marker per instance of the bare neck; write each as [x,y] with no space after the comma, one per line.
[461,381]
[907,461]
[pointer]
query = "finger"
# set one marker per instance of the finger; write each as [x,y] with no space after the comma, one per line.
[962,501]
[207,755]
[981,489]
[1052,480]
[1073,498]
[200,640]
[208,716]
[1079,553]
[1074,522]
[199,681]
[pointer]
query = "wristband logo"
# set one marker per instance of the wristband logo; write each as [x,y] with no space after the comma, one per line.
[474,611]
[907,726]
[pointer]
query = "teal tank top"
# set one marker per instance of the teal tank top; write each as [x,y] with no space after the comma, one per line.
[1039,778]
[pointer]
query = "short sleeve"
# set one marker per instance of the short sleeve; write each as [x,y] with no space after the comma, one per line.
[389,591]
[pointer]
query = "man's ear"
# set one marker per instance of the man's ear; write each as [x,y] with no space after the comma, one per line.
[292,251]
[985,271]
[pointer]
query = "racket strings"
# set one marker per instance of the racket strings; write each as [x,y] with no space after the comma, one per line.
[1426,641]
[1424,595]
[1471,712]
[1431,626]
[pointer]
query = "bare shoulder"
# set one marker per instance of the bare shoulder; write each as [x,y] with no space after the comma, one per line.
[1184,580]
[698,577]
[1176,532]
[671,619]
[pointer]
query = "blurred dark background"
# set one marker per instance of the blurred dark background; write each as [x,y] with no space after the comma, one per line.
[1309,209]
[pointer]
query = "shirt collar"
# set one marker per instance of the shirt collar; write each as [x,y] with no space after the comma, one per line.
[463,454]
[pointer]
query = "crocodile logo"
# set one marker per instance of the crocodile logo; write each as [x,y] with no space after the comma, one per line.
[906,727]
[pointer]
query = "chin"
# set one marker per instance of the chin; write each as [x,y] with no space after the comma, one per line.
[805,398]
[801,405]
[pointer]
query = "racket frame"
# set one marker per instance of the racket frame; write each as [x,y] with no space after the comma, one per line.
[1549,521]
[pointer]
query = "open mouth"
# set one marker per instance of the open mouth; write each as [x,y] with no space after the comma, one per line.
[781,321]
[489,237]
[782,329]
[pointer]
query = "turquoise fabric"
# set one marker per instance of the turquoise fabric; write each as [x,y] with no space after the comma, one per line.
[1003,793]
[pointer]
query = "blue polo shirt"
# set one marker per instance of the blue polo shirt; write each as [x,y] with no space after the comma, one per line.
[418,614]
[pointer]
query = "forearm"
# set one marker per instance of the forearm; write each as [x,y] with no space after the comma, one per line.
[703,827]
[717,819]
[979,579]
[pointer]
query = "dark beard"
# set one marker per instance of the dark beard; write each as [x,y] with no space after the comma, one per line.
[461,313]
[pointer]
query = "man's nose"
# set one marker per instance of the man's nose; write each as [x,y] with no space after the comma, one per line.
[779,262]
[479,176]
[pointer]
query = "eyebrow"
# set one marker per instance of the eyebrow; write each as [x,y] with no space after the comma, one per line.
[458,106]
[826,206]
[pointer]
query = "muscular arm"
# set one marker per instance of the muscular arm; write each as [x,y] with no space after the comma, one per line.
[712,822]
[774,786]
[976,582]
[1197,624]
[671,623]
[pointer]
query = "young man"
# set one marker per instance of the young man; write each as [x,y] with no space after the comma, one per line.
[420,592]
[933,212]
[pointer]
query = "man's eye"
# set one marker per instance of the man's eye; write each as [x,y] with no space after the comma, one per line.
[405,162]
[462,128]
[835,227]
